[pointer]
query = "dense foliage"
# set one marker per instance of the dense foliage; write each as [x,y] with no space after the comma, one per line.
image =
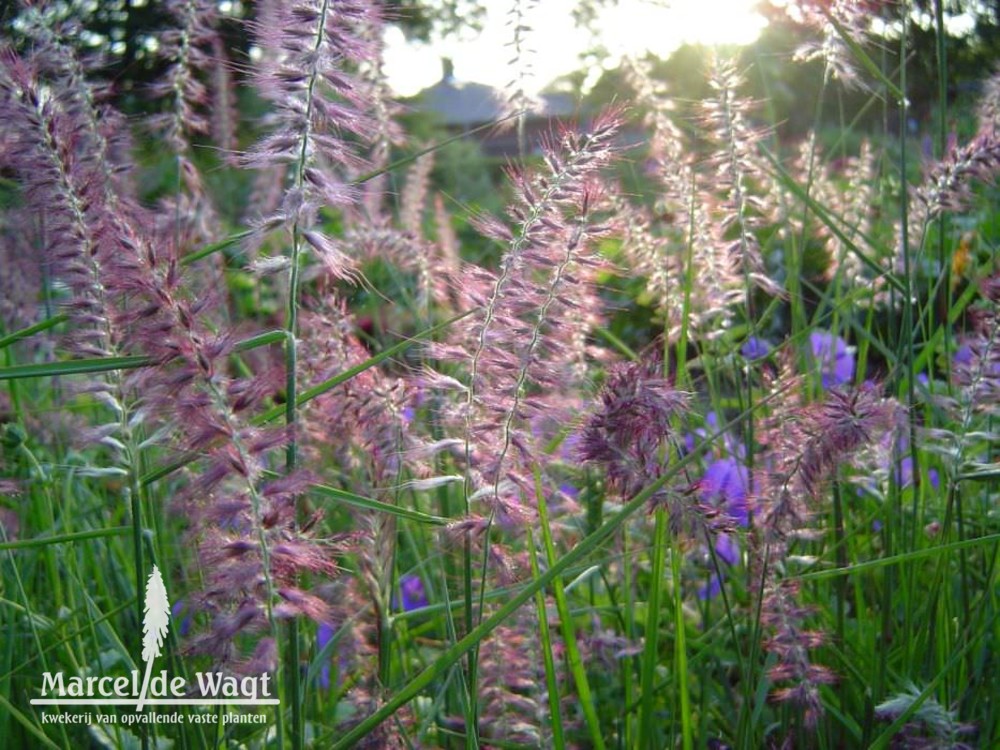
[692,443]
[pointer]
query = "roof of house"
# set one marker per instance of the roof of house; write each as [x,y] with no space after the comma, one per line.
[465,103]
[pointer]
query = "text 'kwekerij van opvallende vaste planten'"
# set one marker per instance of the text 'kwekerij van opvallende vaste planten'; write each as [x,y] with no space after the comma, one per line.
[651,406]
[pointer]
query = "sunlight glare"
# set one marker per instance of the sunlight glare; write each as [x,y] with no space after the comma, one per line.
[636,26]
[628,28]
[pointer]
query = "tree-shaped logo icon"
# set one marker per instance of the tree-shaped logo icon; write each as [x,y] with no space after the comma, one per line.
[154,627]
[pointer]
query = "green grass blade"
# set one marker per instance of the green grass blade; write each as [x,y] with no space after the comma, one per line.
[233,239]
[367,503]
[24,333]
[72,367]
[27,723]
[77,536]
[883,740]
[261,339]
[936,339]
[453,654]
[27,660]
[827,218]
[108,364]
[584,693]
[586,546]
[617,343]
[858,51]
[897,559]
[551,685]
[680,647]
[650,652]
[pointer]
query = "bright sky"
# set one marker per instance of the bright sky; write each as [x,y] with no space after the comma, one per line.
[631,27]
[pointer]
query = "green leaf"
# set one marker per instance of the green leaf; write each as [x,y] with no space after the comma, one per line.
[73,367]
[904,557]
[573,659]
[650,651]
[24,333]
[77,536]
[108,364]
[29,725]
[233,239]
[548,657]
[367,503]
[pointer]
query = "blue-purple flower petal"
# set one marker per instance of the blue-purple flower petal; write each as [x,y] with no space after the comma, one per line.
[711,589]
[324,633]
[727,548]
[755,348]
[834,357]
[180,608]
[725,483]
[412,594]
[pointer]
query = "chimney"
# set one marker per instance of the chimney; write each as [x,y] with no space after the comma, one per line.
[447,70]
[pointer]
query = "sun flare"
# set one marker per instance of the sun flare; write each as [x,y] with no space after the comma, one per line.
[629,28]
[638,25]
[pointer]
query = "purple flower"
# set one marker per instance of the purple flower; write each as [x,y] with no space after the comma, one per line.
[324,633]
[755,348]
[835,359]
[904,475]
[727,548]
[725,483]
[977,367]
[711,589]
[180,608]
[413,596]
[570,447]
[927,148]
[963,355]
[904,471]
[569,490]
[712,421]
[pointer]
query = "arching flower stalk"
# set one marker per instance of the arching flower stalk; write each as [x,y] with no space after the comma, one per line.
[514,348]
[805,446]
